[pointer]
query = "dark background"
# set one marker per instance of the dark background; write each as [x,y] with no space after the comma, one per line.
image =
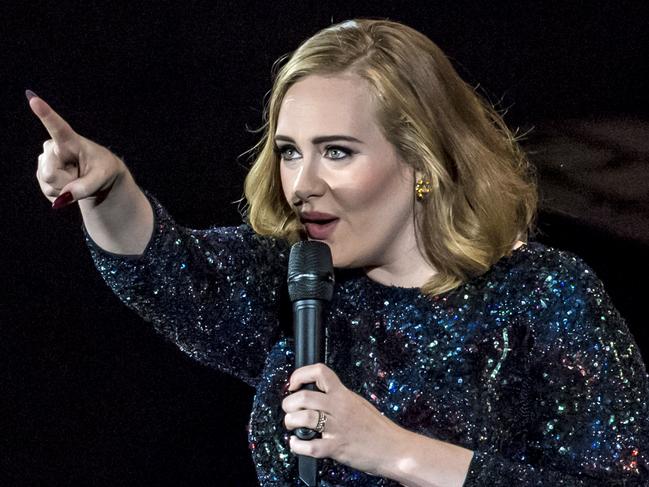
[89,394]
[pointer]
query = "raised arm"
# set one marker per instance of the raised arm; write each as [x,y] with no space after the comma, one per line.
[116,214]
[214,293]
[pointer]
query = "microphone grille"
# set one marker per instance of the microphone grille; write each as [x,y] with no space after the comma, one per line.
[310,271]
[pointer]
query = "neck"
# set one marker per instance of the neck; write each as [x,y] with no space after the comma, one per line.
[409,270]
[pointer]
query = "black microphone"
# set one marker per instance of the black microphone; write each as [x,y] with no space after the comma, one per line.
[310,285]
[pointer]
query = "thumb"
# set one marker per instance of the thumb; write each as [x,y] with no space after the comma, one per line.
[76,190]
[64,199]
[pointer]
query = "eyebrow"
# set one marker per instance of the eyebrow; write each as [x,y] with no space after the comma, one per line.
[321,139]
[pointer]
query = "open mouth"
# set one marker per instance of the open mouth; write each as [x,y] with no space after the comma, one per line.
[320,229]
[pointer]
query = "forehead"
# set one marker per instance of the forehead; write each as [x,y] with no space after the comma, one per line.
[327,104]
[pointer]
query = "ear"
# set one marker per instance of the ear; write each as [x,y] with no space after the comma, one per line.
[422,186]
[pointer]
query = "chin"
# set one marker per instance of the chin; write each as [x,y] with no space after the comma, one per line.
[342,259]
[337,261]
[343,262]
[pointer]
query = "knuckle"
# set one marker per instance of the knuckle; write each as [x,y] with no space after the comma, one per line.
[320,368]
[292,404]
[81,189]
[101,174]
[106,173]
[338,452]
[51,192]
[48,190]
[313,417]
[301,399]
[48,174]
[285,404]
[311,450]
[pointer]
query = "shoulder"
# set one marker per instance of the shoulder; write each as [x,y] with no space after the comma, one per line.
[544,284]
[565,300]
[537,266]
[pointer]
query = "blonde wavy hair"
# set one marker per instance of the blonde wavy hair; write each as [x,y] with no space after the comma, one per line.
[483,192]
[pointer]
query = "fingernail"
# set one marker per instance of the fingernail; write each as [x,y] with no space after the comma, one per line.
[63,200]
[30,94]
[285,388]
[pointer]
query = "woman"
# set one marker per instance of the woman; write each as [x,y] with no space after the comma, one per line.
[458,354]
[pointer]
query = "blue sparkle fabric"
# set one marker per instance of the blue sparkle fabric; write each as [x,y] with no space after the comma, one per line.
[529,365]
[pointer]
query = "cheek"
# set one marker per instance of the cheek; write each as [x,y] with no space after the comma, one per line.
[285,179]
[379,190]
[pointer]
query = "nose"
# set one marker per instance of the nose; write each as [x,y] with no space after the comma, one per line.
[307,182]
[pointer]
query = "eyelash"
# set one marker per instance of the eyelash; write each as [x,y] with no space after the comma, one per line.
[281,149]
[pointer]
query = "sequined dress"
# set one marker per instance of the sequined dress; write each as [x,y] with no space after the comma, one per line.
[529,365]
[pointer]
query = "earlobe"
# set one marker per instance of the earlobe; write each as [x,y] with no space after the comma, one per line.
[422,187]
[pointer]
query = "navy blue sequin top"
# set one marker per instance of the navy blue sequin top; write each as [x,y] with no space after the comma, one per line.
[529,365]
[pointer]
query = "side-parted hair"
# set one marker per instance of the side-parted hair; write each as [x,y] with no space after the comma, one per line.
[483,192]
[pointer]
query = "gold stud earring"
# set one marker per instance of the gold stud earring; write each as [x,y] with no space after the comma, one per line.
[422,188]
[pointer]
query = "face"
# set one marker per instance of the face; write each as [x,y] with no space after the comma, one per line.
[341,175]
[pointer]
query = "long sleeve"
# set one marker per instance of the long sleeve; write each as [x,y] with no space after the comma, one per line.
[588,425]
[215,293]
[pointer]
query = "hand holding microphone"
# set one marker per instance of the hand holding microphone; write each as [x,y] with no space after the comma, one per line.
[310,285]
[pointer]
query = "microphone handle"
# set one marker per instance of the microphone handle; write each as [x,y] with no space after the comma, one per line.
[309,344]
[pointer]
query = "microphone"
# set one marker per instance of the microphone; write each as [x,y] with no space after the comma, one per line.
[310,285]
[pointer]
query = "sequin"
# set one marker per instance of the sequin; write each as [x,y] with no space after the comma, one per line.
[529,365]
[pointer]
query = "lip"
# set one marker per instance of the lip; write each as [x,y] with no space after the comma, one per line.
[316,215]
[319,231]
[319,225]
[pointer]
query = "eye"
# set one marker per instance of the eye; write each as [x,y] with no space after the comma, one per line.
[287,152]
[337,152]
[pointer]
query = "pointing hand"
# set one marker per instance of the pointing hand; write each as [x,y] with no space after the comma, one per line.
[71,167]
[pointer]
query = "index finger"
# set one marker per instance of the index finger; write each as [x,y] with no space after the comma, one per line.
[58,128]
[323,377]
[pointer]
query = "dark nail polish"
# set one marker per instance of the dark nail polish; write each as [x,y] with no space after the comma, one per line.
[285,388]
[30,94]
[63,200]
